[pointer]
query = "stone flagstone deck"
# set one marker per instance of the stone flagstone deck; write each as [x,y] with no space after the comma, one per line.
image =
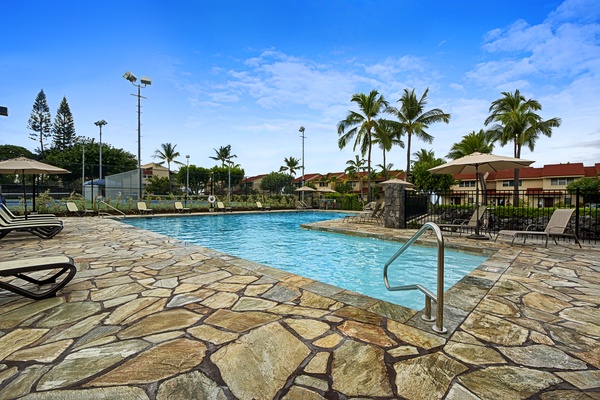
[149,317]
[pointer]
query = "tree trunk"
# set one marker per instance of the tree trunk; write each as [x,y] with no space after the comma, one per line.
[408,156]
[369,171]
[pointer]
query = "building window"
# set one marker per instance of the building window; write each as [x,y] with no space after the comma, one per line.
[322,184]
[511,183]
[466,184]
[561,181]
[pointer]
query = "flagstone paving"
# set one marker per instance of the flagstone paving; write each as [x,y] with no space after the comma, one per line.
[149,317]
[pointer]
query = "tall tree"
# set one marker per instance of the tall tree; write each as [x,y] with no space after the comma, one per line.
[387,135]
[414,120]
[515,120]
[473,142]
[361,125]
[291,164]
[63,130]
[223,154]
[40,121]
[425,180]
[168,154]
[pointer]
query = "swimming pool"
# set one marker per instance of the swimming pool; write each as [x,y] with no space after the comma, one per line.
[354,263]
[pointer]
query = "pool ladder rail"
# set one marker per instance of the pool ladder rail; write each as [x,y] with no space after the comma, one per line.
[105,214]
[429,296]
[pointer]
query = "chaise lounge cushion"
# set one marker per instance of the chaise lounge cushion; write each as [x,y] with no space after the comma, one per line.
[23,268]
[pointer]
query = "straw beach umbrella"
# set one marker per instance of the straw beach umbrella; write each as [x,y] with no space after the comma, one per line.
[476,163]
[26,166]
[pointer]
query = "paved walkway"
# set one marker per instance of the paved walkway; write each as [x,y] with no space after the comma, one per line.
[148,317]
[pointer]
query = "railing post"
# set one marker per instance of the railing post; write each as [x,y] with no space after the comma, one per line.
[577,212]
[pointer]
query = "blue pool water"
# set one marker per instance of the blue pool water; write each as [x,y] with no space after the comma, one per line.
[349,262]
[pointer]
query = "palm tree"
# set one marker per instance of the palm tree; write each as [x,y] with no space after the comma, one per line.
[223,154]
[291,164]
[354,166]
[515,120]
[361,125]
[387,134]
[414,120]
[473,142]
[168,155]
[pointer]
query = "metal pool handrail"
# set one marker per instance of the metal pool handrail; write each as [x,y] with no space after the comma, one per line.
[114,208]
[439,299]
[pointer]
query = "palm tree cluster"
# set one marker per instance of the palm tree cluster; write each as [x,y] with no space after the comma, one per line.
[366,126]
[514,119]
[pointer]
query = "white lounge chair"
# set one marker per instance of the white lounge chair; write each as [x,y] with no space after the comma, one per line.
[143,209]
[259,206]
[556,227]
[180,208]
[20,268]
[221,207]
[73,209]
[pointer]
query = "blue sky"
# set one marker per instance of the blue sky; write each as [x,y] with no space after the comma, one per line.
[250,73]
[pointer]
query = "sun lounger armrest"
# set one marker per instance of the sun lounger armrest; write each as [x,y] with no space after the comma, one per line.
[538,226]
[460,221]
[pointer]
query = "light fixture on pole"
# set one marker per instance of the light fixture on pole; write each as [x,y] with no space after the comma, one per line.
[187,179]
[301,130]
[144,81]
[100,123]
[229,180]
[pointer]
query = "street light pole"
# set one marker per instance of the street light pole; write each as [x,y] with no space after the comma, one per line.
[301,130]
[187,179]
[100,123]
[144,81]
[229,180]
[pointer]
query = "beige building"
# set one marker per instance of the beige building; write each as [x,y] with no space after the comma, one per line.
[542,187]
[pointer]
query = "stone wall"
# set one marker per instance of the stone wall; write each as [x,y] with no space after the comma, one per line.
[394,214]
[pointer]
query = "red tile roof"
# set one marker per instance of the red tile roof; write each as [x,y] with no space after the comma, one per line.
[566,170]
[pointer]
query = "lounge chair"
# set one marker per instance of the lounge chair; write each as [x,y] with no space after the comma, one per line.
[362,216]
[300,205]
[180,208]
[73,209]
[221,207]
[20,268]
[259,206]
[375,216]
[466,224]
[556,227]
[44,228]
[143,209]
[10,217]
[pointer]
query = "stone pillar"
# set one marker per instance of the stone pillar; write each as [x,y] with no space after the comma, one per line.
[393,216]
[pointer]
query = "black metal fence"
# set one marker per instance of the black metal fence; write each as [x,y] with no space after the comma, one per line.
[515,211]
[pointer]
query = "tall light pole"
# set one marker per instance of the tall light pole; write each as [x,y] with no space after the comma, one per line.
[187,179]
[100,123]
[229,180]
[301,130]
[145,81]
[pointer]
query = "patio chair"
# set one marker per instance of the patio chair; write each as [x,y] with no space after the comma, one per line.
[180,208]
[259,206]
[300,205]
[23,267]
[221,207]
[143,209]
[46,229]
[73,209]
[466,224]
[556,227]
